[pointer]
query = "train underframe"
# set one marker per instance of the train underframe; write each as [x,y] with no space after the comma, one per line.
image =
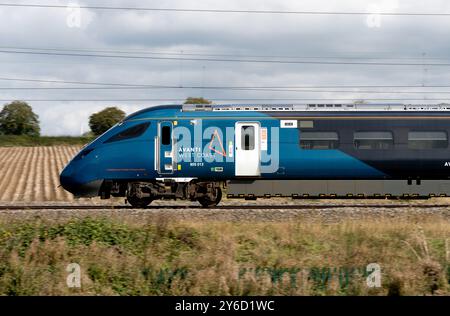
[142,193]
[209,194]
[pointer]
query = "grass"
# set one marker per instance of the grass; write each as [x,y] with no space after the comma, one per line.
[24,140]
[162,257]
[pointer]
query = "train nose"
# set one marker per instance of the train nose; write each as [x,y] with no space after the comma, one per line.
[73,182]
[66,179]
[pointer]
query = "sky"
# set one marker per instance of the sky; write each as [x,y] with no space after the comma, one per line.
[227,36]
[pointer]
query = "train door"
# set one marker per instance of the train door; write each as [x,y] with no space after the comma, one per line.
[164,151]
[247,153]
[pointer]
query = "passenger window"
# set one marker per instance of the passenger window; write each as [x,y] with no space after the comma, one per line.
[248,137]
[373,140]
[132,132]
[427,140]
[165,135]
[319,140]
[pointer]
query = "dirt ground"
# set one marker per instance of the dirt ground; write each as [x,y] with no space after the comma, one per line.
[32,173]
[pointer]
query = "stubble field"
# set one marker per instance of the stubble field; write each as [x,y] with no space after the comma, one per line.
[32,173]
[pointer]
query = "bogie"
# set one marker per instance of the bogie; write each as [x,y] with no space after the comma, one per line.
[141,194]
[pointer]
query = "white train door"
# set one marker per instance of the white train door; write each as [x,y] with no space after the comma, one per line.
[164,148]
[248,151]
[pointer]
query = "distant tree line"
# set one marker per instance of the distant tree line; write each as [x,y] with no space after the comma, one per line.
[18,118]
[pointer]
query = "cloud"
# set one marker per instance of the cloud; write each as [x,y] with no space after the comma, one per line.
[226,34]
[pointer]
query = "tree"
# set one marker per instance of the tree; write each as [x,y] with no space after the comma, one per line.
[101,121]
[18,118]
[195,100]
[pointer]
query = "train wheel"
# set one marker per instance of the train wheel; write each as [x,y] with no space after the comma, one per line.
[211,202]
[139,202]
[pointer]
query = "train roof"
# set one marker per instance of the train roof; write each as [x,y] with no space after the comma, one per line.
[317,107]
[310,107]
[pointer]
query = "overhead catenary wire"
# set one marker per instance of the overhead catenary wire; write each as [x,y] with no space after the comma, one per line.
[227,88]
[233,11]
[113,85]
[70,82]
[312,62]
[186,53]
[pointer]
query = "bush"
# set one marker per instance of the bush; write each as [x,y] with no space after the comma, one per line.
[101,121]
[194,100]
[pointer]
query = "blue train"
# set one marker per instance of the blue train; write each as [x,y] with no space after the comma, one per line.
[193,151]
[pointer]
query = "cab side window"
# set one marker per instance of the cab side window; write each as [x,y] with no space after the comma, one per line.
[165,131]
[131,132]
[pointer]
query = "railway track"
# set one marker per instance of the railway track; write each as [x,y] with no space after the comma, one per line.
[230,212]
[221,207]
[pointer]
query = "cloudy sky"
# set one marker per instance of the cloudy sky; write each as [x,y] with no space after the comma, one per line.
[280,43]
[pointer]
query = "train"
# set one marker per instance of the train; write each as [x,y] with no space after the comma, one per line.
[195,151]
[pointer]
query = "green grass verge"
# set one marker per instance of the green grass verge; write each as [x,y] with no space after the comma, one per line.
[163,257]
[23,140]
